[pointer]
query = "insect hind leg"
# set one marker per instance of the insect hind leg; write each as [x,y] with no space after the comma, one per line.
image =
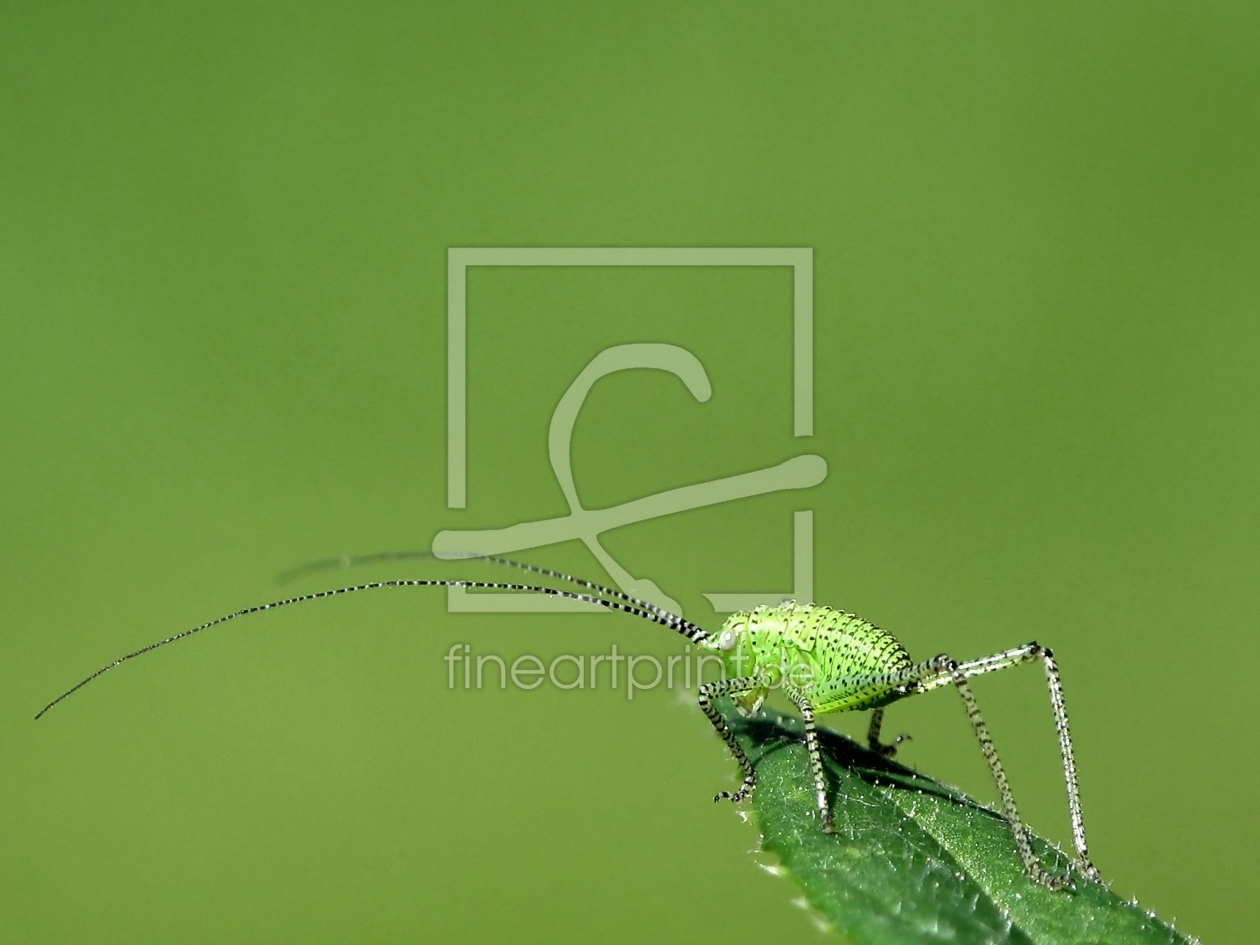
[1018,830]
[942,670]
[1029,653]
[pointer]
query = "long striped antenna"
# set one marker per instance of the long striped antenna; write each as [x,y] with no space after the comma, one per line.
[673,622]
[351,561]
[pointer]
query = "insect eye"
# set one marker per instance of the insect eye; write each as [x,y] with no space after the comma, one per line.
[726,641]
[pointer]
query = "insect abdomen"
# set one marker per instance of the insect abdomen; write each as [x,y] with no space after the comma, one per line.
[840,649]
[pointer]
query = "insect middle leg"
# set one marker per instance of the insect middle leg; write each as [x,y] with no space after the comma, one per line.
[815,763]
[731,687]
[872,737]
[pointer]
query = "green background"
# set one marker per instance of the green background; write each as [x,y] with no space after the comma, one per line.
[222,289]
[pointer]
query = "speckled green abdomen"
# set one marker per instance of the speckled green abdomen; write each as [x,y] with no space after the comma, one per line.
[836,660]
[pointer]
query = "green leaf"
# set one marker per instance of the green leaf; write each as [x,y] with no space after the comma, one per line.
[913,861]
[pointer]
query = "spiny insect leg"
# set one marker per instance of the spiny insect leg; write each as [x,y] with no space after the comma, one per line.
[986,664]
[1055,685]
[872,736]
[730,687]
[1028,653]
[1018,830]
[815,764]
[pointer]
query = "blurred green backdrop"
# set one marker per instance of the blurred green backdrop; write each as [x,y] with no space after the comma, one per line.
[223,235]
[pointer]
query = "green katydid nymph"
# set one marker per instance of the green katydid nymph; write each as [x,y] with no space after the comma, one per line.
[824,660]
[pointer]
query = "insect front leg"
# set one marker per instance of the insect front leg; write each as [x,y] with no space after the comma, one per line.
[731,687]
[872,737]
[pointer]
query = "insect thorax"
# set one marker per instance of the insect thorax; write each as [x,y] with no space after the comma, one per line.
[834,659]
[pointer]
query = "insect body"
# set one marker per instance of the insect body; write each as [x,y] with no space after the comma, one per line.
[827,661]
[824,660]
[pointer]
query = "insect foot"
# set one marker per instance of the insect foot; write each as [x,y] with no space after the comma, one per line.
[745,789]
[872,737]
[888,750]
[1050,880]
